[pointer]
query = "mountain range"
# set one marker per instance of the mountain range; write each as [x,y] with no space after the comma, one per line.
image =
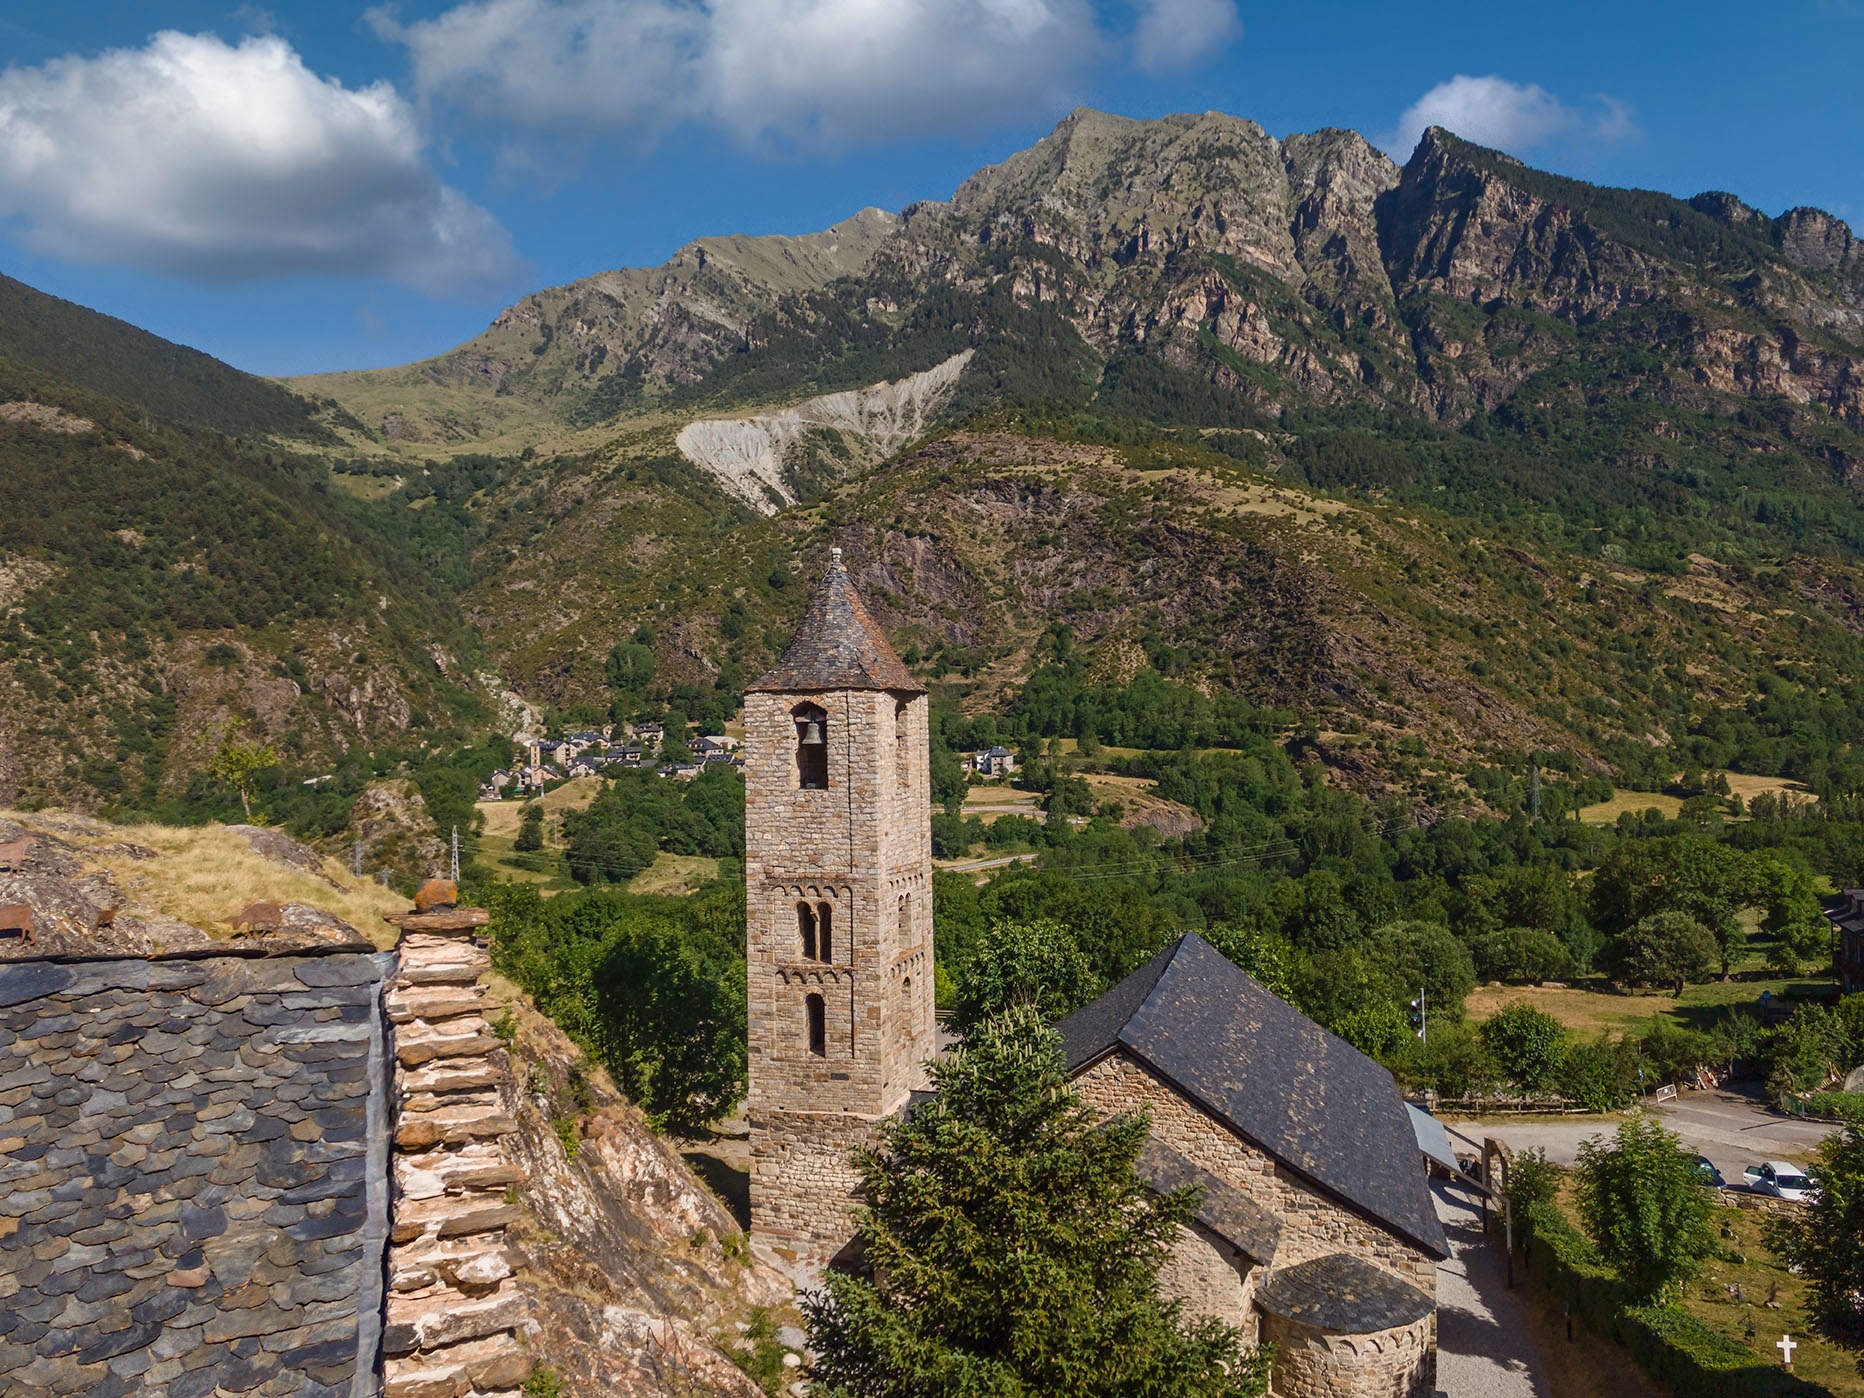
[1458,461]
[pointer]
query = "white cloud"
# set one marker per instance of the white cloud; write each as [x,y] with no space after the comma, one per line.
[219,162]
[813,71]
[1176,34]
[1509,116]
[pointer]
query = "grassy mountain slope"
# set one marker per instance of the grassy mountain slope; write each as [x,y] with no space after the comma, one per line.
[163,586]
[1454,460]
[104,355]
[1467,457]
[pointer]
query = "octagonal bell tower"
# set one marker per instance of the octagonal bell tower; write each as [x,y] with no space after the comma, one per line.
[838,872]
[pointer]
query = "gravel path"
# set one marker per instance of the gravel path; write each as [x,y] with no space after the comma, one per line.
[1483,1349]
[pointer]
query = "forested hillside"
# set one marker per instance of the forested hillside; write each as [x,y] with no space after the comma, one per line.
[166,589]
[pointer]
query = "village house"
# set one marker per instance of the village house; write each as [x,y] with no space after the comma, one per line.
[1316,1230]
[1848,920]
[994,762]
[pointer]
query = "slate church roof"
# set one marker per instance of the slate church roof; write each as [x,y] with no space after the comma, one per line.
[838,646]
[189,1203]
[1269,1073]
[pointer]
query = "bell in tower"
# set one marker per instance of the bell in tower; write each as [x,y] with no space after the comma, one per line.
[838,867]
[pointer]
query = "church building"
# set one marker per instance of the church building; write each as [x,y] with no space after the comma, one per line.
[1316,1230]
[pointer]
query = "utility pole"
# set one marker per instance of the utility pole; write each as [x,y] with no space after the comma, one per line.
[1533,790]
[356,858]
[455,874]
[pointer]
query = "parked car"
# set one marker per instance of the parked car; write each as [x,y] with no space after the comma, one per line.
[1783,1180]
[1707,1174]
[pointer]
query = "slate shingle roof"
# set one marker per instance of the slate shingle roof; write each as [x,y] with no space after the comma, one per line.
[185,1157]
[1269,1073]
[1221,1207]
[838,646]
[1344,1294]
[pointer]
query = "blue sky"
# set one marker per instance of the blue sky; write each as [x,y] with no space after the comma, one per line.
[307,186]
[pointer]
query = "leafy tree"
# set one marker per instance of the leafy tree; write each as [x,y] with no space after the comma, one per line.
[1520,955]
[1264,955]
[1640,1201]
[530,828]
[1825,1242]
[1426,954]
[1013,1250]
[630,667]
[238,763]
[1664,949]
[1531,1179]
[1024,963]
[1527,1044]
[1688,874]
[1451,1060]
[652,987]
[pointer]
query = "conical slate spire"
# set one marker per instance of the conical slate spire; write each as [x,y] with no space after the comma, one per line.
[838,646]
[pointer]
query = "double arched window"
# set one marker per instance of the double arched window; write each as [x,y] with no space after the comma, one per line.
[816,927]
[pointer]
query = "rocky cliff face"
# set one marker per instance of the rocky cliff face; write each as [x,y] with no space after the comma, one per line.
[756,459]
[1309,269]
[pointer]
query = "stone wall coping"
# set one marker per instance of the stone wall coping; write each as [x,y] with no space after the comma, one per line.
[210,953]
[440,920]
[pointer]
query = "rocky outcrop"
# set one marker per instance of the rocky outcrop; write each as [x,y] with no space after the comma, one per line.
[390,819]
[752,457]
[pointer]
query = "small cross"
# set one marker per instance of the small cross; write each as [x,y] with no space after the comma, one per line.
[1786,1345]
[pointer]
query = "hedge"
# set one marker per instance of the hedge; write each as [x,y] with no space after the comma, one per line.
[1668,1343]
[1842,1106]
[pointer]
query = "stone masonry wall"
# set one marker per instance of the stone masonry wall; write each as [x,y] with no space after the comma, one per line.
[192,1199]
[1310,1363]
[1312,1225]
[1212,1278]
[862,847]
[454,1308]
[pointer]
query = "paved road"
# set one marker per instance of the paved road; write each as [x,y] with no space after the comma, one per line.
[971,866]
[1732,1129]
[1483,1349]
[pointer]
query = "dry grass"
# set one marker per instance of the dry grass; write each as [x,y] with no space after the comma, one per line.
[674,875]
[1607,812]
[501,817]
[205,875]
[1587,1010]
[1739,784]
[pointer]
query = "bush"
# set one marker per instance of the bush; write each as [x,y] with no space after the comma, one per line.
[1528,1045]
[1644,1208]
[1846,1106]
[1599,1076]
[1531,1179]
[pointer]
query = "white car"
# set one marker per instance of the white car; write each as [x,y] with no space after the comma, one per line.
[1783,1180]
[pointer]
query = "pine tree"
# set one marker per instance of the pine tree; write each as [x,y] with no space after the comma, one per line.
[1013,1251]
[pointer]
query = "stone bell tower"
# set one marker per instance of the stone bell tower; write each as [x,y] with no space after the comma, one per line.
[838,872]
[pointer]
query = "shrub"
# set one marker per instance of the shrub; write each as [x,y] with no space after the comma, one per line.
[1597,1075]
[1528,1045]
[1532,1179]
[1846,1106]
[1644,1208]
